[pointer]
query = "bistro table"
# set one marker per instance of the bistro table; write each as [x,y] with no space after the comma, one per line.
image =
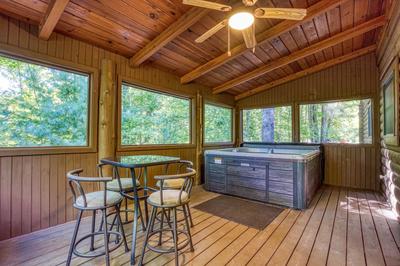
[133,162]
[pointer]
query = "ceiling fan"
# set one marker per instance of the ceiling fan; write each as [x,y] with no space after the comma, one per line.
[242,18]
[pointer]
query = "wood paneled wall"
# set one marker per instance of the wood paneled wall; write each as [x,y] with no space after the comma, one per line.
[390,171]
[34,193]
[33,189]
[345,165]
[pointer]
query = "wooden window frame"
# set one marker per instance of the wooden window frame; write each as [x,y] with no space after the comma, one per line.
[63,65]
[391,75]
[367,97]
[162,90]
[292,107]
[233,135]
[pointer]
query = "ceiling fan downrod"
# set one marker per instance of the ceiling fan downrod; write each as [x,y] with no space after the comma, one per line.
[229,41]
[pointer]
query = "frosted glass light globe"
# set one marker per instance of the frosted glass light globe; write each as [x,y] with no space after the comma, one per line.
[241,20]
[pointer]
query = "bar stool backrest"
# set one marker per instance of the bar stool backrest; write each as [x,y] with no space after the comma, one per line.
[179,167]
[116,175]
[75,180]
[187,185]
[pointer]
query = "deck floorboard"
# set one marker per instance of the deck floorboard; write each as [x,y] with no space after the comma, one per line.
[341,226]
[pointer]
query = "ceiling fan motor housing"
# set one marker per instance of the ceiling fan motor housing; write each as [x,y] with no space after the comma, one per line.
[249,2]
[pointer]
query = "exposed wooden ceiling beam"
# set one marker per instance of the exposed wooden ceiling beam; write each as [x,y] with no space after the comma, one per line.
[269,34]
[312,49]
[51,17]
[174,30]
[307,71]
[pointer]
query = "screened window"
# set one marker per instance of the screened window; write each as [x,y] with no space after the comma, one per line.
[42,106]
[217,124]
[268,124]
[336,122]
[150,117]
[389,107]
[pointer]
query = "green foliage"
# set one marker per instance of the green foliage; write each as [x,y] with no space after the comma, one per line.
[337,122]
[153,118]
[41,106]
[217,124]
[254,122]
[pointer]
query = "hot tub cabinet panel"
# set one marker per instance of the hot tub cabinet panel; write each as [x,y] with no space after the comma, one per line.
[290,181]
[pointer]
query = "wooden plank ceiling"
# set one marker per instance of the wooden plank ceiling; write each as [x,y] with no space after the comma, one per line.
[127,26]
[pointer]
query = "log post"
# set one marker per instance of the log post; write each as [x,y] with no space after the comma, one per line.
[199,136]
[107,114]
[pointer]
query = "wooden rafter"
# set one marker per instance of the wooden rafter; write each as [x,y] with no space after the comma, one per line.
[51,18]
[174,30]
[307,71]
[389,9]
[312,49]
[269,34]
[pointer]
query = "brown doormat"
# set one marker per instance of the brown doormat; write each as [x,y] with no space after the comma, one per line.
[249,213]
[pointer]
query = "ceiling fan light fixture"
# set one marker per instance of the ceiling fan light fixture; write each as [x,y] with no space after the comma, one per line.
[241,20]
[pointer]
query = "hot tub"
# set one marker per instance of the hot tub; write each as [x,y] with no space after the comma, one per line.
[284,174]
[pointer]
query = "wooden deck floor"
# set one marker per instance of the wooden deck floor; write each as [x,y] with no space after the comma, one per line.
[341,227]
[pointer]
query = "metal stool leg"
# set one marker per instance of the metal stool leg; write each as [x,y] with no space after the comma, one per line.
[190,214]
[106,238]
[122,228]
[161,227]
[93,225]
[146,210]
[175,237]
[71,248]
[126,207]
[134,232]
[150,225]
[113,223]
[167,218]
[101,224]
[185,213]
[141,218]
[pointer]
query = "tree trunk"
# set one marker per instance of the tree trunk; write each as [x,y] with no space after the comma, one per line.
[268,125]
[313,123]
[324,124]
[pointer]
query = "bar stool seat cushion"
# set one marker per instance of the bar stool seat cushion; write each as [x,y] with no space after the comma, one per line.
[170,197]
[126,184]
[96,199]
[172,183]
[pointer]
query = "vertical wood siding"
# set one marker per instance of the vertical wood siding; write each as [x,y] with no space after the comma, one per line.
[34,193]
[33,189]
[390,155]
[354,166]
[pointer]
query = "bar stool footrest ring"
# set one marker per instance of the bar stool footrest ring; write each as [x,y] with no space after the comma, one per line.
[93,254]
[172,249]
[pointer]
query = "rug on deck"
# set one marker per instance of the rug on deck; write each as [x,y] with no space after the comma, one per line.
[249,213]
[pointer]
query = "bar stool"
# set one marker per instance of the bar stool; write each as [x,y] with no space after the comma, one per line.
[177,184]
[94,201]
[170,199]
[124,186]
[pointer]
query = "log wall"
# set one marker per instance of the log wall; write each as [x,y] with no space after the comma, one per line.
[388,50]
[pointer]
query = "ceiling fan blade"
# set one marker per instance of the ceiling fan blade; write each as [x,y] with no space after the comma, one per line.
[249,37]
[212,31]
[207,4]
[281,13]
